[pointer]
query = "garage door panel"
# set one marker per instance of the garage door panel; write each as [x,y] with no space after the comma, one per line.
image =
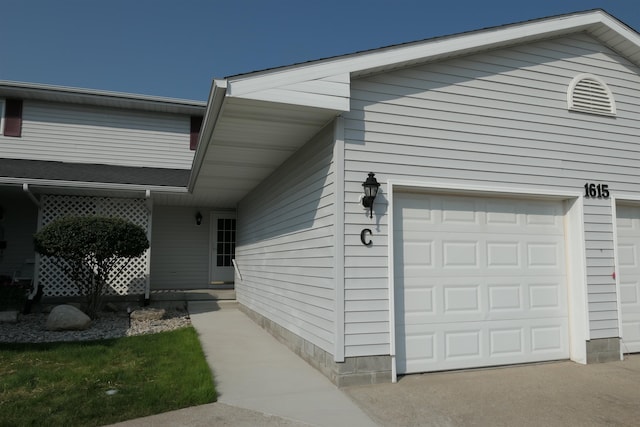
[461,300]
[544,296]
[493,291]
[505,298]
[456,346]
[631,334]
[628,227]
[543,255]
[460,254]
[418,253]
[459,211]
[627,255]
[418,303]
[450,299]
[504,254]
[629,294]
[473,250]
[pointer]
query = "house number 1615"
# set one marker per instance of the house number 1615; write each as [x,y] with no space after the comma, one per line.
[601,191]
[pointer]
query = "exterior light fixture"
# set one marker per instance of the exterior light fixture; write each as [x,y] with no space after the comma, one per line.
[198,218]
[370,192]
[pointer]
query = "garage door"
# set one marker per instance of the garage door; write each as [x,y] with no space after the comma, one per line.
[478,282]
[628,223]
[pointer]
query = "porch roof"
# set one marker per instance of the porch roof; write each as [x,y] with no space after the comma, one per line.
[61,174]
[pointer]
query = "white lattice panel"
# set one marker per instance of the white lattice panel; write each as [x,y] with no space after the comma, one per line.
[133,280]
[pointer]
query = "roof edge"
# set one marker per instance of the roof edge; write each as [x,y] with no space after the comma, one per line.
[215,103]
[378,60]
[99,97]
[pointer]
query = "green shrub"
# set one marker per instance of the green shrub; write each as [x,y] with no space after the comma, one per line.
[91,250]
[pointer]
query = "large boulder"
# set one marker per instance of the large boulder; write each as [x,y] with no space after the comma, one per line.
[67,318]
[149,313]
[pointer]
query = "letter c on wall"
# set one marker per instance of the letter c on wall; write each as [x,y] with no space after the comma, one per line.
[363,237]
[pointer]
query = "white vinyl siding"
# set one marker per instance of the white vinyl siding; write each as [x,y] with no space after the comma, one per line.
[285,244]
[87,134]
[330,92]
[497,119]
[179,248]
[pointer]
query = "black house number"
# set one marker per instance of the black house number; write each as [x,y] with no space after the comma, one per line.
[600,191]
[364,237]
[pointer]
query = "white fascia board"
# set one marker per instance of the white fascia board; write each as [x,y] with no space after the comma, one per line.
[217,96]
[83,185]
[397,56]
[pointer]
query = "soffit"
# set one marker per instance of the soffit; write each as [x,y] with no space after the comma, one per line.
[250,140]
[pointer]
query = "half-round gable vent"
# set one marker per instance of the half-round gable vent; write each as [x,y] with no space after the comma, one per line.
[589,94]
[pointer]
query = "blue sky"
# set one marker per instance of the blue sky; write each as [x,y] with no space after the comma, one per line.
[175,48]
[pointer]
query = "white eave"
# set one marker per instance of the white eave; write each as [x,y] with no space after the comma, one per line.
[255,121]
[89,185]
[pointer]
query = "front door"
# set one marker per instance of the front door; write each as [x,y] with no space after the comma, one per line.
[223,247]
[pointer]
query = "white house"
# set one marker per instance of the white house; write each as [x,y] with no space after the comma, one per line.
[506,225]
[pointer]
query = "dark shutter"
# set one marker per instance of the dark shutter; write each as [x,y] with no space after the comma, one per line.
[196,123]
[13,117]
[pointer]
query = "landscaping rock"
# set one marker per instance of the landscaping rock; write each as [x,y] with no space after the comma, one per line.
[9,316]
[148,314]
[67,318]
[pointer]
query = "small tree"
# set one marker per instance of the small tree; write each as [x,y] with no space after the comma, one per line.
[89,250]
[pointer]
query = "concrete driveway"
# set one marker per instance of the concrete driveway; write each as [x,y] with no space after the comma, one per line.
[551,394]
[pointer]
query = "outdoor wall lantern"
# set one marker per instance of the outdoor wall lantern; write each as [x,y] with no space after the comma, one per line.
[198,218]
[370,192]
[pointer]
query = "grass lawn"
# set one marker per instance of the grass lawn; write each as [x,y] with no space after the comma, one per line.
[66,384]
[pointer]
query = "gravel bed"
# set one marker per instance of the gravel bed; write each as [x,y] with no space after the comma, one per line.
[31,327]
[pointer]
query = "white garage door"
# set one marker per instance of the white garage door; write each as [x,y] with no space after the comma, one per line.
[478,282]
[628,223]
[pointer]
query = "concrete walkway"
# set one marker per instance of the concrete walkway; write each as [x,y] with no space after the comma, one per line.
[259,380]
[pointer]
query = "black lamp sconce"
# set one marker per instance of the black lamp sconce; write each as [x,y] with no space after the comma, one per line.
[370,186]
[198,218]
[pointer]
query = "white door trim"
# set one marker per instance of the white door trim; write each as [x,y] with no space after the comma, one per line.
[574,246]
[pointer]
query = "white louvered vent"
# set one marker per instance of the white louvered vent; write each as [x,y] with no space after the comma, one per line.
[589,94]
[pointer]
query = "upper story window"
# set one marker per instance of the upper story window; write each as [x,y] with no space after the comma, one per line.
[590,94]
[12,117]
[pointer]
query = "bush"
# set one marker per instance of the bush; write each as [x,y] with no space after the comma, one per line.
[89,250]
